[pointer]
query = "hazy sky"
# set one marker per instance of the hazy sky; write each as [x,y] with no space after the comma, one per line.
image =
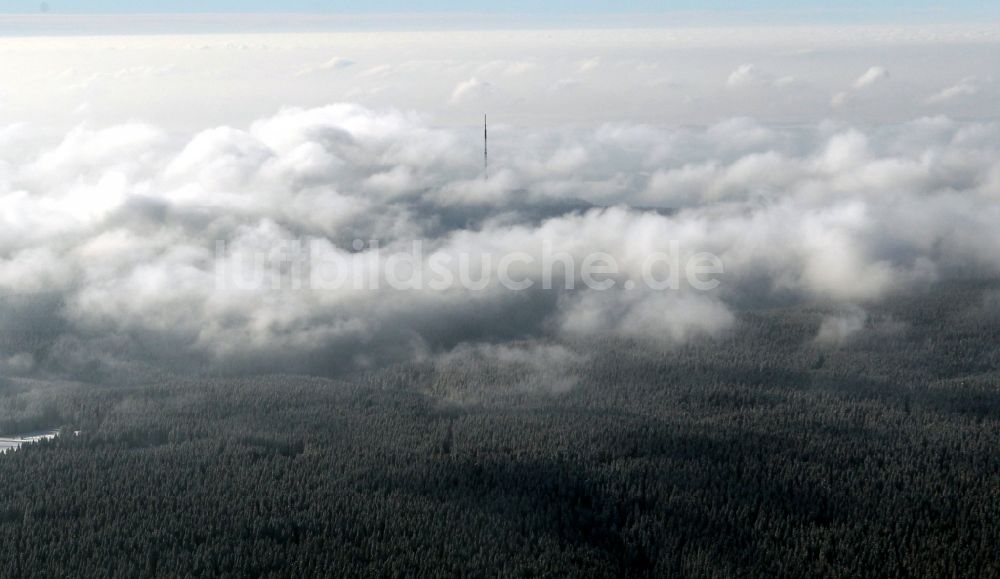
[578,77]
[551,6]
[818,11]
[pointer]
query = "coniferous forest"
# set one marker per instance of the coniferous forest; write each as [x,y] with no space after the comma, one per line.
[757,454]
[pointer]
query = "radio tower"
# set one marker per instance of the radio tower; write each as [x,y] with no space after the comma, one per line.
[486,151]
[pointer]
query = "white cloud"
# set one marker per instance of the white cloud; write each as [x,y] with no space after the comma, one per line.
[749,75]
[663,318]
[589,64]
[836,330]
[785,81]
[119,221]
[967,87]
[565,85]
[744,75]
[472,89]
[108,227]
[872,76]
[840,99]
[335,63]
[520,67]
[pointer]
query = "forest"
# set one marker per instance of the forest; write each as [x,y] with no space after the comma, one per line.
[759,453]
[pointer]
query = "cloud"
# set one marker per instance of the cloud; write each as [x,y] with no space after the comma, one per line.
[967,87]
[836,330]
[744,75]
[748,75]
[589,64]
[872,76]
[17,364]
[660,318]
[785,81]
[111,236]
[530,366]
[513,68]
[377,71]
[335,63]
[565,85]
[840,99]
[520,67]
[472,89]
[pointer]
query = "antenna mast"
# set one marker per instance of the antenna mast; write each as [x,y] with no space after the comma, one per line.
[486,152]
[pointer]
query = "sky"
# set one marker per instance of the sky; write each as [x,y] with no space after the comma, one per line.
[525,6]
[697,76]
[98,17]
[731,11]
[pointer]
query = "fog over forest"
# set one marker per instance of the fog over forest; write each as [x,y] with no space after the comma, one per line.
[125,244]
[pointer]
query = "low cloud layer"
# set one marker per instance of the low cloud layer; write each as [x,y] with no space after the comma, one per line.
[835,330]
[110,236]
